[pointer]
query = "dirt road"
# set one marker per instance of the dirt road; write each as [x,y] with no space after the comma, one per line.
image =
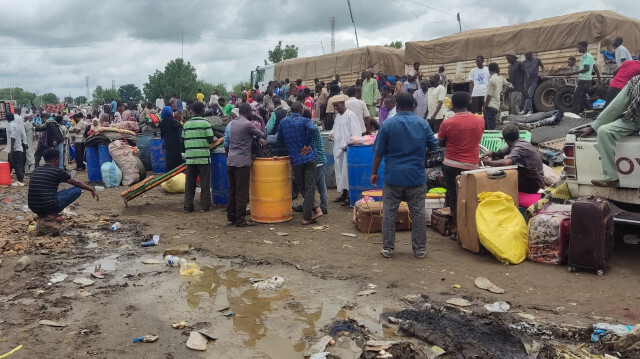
[324,271]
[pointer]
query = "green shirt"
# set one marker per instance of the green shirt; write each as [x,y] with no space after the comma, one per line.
[370,92]
[227,109]
[197,134]
[586,59]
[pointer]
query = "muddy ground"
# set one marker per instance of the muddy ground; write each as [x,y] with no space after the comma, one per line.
[324,272]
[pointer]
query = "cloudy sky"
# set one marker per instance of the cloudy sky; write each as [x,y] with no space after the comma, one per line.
[51,46]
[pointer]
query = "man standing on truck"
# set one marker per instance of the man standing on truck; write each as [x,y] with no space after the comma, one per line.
[621,53]
[621,118]
[478,79]
[532,64]
[492,101]
[520,80]
[435,102]
[584,78]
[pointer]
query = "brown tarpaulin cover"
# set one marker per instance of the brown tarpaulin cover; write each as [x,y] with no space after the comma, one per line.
[548,34]
[381,58]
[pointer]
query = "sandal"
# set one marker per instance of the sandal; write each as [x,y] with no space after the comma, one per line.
[346,202]
[246,224]
[312,221]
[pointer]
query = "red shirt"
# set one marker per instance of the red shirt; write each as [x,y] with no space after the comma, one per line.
[627,71]
[463,133]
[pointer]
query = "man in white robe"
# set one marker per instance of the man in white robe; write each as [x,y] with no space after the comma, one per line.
[346,125]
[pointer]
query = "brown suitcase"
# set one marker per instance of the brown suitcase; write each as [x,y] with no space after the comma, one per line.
[592,234]
[369,217]
[441,220]
[470,185]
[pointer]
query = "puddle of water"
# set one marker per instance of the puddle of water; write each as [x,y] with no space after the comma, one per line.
[277,347]
[109,263]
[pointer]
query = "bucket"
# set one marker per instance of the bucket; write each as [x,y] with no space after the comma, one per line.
[143,150]
[93,164]
[158,158]
[360,163]
[270,190]
[219,179]
[103,155]
[5,174]
[330,174]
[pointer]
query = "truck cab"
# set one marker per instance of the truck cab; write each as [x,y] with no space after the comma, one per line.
[582,163]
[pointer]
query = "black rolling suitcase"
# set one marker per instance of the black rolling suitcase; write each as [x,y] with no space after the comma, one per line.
[592,234]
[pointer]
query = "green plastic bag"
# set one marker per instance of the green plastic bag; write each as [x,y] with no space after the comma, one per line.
[501,227]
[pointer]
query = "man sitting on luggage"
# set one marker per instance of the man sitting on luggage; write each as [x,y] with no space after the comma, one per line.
[44,198]
[620,118]
[521,153]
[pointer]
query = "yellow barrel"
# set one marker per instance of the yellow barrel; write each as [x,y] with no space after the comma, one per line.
[271,190]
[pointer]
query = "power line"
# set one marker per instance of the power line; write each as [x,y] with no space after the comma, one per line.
[354,24]
[430,7]
[418,17]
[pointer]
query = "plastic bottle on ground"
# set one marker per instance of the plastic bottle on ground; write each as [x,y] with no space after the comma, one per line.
[115,226]
[174,261]
[152,242]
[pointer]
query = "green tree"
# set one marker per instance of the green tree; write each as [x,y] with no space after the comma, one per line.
[178,77]
[396,44]
[130,91]
[22,97]
[101,95]
[80,100]
[208,89]
[68,99]
[237,88]
[278,53]
[50,98]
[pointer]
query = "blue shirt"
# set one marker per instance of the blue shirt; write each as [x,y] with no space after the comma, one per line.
[297,131]
[403,141]
[180,108]
[226,135]
[113,106]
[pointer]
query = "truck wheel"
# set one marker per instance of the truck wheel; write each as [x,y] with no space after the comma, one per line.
[564,98]
[544,96]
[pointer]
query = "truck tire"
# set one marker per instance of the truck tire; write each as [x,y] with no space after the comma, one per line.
[564,98]
[544,96]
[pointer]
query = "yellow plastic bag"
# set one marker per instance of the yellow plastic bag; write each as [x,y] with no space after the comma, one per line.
[175,184]
[190,269]
[501,227]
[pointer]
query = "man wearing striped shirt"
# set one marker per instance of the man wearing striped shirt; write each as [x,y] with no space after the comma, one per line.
[198,140]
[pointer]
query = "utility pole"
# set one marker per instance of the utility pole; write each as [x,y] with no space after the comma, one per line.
[86,78]
[354,23]
[459,22]
[332,20]
[181,63]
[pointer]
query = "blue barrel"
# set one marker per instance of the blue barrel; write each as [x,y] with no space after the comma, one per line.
[103,155]
[158,157]
[93,164]
[143,150]
[330,174]
[219,179]
[360,163]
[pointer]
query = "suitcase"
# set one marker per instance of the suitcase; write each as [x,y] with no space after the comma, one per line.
[549,233]
[441,221]
[592,234]
[470,185]
[369,217]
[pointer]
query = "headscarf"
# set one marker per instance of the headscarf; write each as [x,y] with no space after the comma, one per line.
[632,114]
[104,120]
[166,113]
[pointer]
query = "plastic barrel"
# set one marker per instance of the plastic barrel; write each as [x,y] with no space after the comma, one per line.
[270,190]
[143,150]
[93,164]
[330,176]
[158,157]
[5,174]
[219,179]
[103,155]
[360,163]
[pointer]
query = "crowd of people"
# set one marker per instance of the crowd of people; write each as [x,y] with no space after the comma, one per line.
[409,115]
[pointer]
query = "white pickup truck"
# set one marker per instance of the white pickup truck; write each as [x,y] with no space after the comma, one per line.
[582,163]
